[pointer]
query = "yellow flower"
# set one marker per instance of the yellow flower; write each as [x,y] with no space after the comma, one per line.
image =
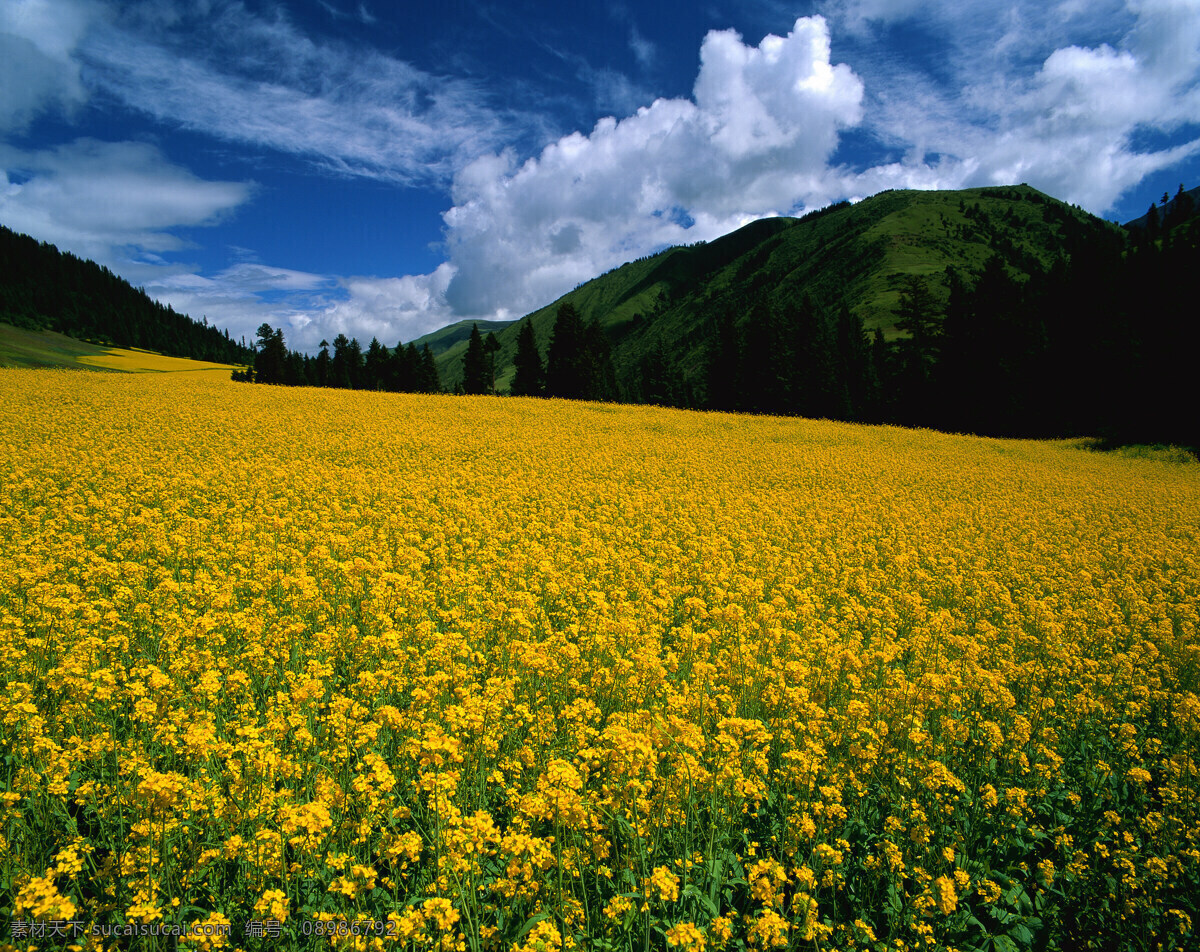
[686,935]
[944,895]
[661,884]
[40,899]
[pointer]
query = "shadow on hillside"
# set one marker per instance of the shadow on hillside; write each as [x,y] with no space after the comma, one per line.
[1165,452]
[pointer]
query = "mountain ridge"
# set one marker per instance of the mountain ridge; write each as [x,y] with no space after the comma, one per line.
[856,254]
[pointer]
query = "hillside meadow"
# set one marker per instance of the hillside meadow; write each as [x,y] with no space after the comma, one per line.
[28,347]
[428,672]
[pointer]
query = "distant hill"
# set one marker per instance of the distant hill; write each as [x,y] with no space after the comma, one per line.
[859,255]
[44,289]
[444,338]
[1183,207]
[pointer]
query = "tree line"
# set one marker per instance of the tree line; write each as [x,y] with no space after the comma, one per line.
[1097,344]
[403,369]
[42,288]
[1100,343]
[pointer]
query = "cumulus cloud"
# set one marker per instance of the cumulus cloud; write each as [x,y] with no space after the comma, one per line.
[308,307]
[1025,104]
[391,309]
[754,140]
[102,199]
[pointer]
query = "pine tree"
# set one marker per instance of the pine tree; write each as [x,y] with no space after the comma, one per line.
[339,369]
[767,367]
[529,378]
[815,388]
[322,366]
[406,368]
[491,347]
[429,381]
[851,365]
[599,374]
[375,366]
[919,315]
[660,379]
[475,364]
[565,363]
[354,363]
[724,365]
[270,361]
[881,381]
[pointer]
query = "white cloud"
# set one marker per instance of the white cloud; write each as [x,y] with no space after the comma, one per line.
[37,38]
[392,309]
[1055,94]
[228,72]
[643,50]
[1026,104]
[103,199]
[755,140]
[245,78]
[308,307]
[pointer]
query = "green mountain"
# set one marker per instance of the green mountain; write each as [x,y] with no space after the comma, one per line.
[444,338]
[859,255]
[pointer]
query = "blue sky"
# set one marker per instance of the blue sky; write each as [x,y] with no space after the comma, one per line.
[383,169]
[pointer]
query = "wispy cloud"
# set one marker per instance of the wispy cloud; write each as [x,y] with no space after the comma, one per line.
[109,201]
[244,78]
[644,51]
[225,71]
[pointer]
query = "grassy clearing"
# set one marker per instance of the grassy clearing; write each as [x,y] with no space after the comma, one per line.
[26,348]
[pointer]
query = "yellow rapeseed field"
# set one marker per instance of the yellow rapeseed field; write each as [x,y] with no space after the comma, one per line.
[449,673]
[135,360]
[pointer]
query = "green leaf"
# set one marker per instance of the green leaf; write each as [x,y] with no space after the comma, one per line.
[530,923]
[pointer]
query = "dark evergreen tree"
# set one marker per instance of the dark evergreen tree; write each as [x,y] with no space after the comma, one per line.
[375,366]
[852,375]
[41,288]
[724,365]
[815,388]
[294,374]
[767,367]
[529,376]
[321,374]
[405,368]
[565,376]
[920,317]
[599,374]
[475,364]
[882,380]
[661,382]
[340,374]
[354,363]
[954,384]
[491,347]
[269,362]
[429,382]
